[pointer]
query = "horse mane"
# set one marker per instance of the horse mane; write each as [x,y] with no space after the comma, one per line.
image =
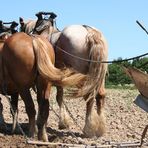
[29,26]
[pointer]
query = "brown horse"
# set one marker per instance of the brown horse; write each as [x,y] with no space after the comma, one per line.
[5,80]
[30,60]
[83,48]
[6,30]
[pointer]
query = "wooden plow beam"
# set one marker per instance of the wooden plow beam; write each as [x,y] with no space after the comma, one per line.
[109,145]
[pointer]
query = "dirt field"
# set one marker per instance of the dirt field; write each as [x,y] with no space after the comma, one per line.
[125,121]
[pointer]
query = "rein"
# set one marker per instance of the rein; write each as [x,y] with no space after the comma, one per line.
[87,60]
[93,61]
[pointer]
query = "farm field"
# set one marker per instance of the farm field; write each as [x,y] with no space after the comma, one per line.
[124,120]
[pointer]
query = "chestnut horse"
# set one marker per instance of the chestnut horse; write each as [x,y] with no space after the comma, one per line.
[30,60]
[5,32]
[5,80]
[83,48]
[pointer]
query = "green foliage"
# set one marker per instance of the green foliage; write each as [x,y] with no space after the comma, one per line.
[141,64]
[117,75]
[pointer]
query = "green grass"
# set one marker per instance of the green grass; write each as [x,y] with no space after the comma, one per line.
[131,87]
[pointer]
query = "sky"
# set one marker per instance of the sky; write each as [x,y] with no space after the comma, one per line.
[116,19]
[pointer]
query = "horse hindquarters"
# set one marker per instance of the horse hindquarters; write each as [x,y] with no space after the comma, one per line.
[86,43]
[19,59]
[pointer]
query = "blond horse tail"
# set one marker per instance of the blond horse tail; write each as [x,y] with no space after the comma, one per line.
[97,70]
[45,63]
[45,59]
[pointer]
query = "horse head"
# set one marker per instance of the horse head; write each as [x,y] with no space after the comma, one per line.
[45,23]
[22,24]
[27,26]
[6,31]
[12,27]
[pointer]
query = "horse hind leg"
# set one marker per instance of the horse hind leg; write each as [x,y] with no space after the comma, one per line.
[3,126]
[42,120]
[43,114]
[43,94]
[95,121]
[64,119]
[14,110]
[100,99]
[30,109]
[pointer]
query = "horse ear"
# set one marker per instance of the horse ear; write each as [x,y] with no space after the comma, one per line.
[21,20]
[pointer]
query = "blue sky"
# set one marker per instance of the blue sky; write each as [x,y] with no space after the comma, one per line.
[115,18]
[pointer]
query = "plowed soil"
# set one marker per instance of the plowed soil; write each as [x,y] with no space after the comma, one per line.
[125,121]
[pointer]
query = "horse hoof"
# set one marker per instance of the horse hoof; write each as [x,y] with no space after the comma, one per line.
[3,127]
[92,134]
[43,137]
[90,131]
[63,126]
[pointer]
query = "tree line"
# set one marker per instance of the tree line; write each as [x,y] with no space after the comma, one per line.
[116,74]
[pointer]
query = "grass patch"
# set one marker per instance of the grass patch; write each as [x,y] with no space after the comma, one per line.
[119,86]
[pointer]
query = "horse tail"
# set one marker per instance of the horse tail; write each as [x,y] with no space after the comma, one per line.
[97,70]
[45,58]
